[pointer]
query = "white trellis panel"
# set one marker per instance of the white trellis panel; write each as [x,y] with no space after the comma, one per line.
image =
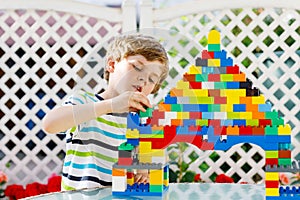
[262,37]
[43,45]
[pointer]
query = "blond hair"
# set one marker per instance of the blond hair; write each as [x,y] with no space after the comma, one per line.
[128,45]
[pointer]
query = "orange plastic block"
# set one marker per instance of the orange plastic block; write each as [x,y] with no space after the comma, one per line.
[245,100]
[252,107]
[284,154]
[258,115]
[118,172]
[177,122]
[258,131]
[232,130]
[214,93]
[189,77]
[164,107]
[239,77]
[176,92]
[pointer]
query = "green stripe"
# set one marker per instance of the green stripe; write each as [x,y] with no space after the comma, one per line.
[110,123]
[87,154]
[66,187]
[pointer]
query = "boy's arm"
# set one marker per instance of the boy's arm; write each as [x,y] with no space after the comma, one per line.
[62,118]
[65,117]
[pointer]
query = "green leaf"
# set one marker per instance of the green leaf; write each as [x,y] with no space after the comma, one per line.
[172,176]
[183,146]
[295,182]
[184,166]
[188,177]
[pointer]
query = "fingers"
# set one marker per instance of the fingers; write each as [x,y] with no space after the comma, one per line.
[141,178]
[138,101]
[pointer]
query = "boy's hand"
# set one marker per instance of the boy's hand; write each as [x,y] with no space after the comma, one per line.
[129,101]
[142,176]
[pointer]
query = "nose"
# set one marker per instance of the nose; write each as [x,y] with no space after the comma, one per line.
[142,79]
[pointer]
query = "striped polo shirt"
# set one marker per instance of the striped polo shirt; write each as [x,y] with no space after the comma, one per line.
[92,147]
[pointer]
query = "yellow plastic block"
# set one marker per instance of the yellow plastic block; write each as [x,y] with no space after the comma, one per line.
[258,100]
[272,176]
[195,70]
[156,177]
[233,115]
[151,135]
[158,152]
[228,108]
[145,158]
[130,181]
[183,85]
[272,192]
[284,130]
[271,154]
[205,100]
[201,92]
[166,182]
[183,115]
[245,115]
[214,37]
[213,62]
[145,147]
[188,93]
[176,92]
[132,133]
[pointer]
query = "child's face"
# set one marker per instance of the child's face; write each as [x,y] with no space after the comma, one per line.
[135,73]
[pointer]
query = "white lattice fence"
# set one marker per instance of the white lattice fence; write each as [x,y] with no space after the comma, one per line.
[263,39]
[42,48]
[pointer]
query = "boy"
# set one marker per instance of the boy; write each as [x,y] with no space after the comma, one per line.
[136,65]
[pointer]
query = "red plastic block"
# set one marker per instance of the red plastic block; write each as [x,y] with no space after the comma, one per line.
[213,93]
[272,184]
[271,161]
[245,130]
[265,122]
[220,100]
[195,85]
[258,131]
[129,175]
[214,122]
[125,161]
[189,77]
[284,154]
[220,130]
[233,70]
[214,77]
[207,55]
[195,128]
[207,146]
[195,115]
[156,115]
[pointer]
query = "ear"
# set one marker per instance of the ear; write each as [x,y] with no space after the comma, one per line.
[110,63]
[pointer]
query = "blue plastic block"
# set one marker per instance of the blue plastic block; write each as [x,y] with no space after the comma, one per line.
[189,122]
[233,140]
[166,168]
[133,142]
[204,130]
[203,107]
[239,107]
[136,191]
[208,70]
[226,62]
[264,107]
[170,100]
[190,107]
[211,135]
[278,139]
[227,122]
[239,122]
[220,54]
[133,120]
[184,130]
[233,85]
[207,115]
[145,129]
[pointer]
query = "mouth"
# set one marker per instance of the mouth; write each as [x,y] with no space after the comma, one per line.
[137,88]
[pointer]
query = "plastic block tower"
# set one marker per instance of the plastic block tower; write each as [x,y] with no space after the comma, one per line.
[213,107]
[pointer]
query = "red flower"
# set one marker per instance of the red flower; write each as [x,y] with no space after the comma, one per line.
[222,178]
[197,178]
[35,188]
[54,183]
[15,192]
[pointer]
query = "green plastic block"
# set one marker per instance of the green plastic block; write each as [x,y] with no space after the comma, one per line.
[271,115]
[271,154]
[226,77]
[252,122]
[201,77]
[214,107]
[220,85]
[156,188]
[284,161]
[277,121]
[176,107]
[148,113]
[201,122]
[126,147]
[166,175]
[214,47]
[271,130]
